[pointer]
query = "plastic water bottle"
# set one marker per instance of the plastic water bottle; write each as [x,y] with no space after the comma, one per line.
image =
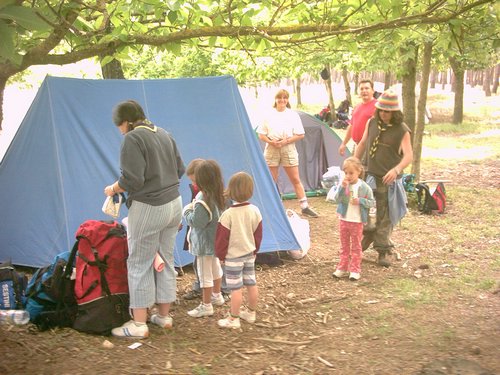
[18,317]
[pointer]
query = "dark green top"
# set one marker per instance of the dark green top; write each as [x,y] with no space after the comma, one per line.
[387,155]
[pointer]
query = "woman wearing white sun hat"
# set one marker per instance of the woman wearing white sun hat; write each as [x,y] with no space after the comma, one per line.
[387,144]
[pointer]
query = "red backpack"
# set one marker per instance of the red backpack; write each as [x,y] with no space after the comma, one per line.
[101,285]
[428,202]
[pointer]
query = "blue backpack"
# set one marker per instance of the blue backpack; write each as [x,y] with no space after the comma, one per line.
[50,293]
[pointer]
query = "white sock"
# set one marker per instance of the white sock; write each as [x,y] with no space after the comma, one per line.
[303,203]
[215,295]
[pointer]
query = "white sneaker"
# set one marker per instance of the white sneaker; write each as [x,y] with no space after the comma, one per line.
[202,310]
[354,276]
[131,330]
[162,321]
[219,300]
[247,315]
[229,322]
[338,274]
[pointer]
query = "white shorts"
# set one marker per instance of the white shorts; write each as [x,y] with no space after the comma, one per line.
[209,269]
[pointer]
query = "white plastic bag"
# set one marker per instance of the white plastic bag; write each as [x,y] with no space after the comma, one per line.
[300,228]
[332,177]
[331,180]
[330,196]
[112,205]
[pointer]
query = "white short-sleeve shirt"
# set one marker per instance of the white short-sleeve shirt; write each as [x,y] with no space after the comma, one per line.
[281,125]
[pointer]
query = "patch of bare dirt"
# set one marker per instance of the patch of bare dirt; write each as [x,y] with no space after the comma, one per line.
[309,323]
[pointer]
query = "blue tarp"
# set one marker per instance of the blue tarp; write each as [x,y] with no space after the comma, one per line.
[66,151]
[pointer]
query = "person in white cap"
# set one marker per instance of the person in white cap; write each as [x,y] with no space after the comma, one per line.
[388,148]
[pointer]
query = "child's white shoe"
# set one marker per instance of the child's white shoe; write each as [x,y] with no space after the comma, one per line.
[218,300]
[202,310]
[229,322]
[338,274]
[354,276]
[247,315]
[162,321]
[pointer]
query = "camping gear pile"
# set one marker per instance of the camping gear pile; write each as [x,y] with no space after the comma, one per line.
[342,112]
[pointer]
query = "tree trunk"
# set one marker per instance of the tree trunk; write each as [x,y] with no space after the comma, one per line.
[470,78]
[495,79]
[433,79]
[453,80]
[487,82]
[422,102]
[387,80]
[299,92]
[331,103]
[444,79]
[112,70]
[356,80]
[408,87]
[458,107]
[347,86]
[329,90]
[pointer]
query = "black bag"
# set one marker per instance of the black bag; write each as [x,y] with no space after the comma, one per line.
[429,203]
[13,287]
[101,315]
[272,259]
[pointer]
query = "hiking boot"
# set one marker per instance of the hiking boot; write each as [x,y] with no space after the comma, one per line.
[338,274]
[309,212]
[247,315]
[383,260]
[353,276]
[201,311]
[131,330]
[219,300]
[162,321]
[192,294]
[229,322]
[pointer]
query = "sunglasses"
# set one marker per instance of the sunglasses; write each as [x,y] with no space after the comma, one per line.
[385,111]
[281,97]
